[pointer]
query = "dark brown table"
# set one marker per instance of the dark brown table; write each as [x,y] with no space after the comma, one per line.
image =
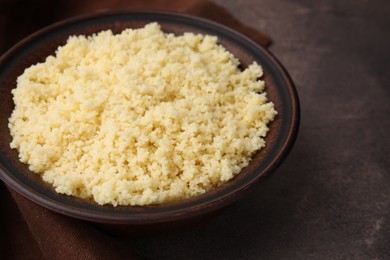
[331,197]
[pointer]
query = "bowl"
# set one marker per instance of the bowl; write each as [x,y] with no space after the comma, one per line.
[279,141]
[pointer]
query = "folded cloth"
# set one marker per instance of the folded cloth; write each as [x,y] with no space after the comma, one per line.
[34,232]
[29,231]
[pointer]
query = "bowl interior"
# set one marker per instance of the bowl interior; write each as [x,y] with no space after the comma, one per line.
[43,43]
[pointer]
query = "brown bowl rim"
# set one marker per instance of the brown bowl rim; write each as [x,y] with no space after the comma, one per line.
[170,212]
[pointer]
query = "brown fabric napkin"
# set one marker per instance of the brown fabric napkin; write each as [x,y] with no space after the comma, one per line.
[29,231]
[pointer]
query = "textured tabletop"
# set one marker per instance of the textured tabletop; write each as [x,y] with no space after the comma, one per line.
[331,198]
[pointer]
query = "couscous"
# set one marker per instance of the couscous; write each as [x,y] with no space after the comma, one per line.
[141,117]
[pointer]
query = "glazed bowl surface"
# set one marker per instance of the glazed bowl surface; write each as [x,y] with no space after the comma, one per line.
[35,48]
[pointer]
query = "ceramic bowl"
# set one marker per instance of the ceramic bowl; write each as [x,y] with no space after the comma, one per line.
[38,46]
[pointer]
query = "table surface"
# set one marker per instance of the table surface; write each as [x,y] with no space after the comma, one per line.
[330,199]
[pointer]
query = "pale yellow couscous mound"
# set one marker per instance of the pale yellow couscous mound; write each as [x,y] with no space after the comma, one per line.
[142,117]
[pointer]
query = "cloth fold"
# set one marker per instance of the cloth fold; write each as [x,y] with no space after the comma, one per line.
[29,231]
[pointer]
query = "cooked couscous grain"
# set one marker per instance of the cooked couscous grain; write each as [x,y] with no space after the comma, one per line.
[141,117]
